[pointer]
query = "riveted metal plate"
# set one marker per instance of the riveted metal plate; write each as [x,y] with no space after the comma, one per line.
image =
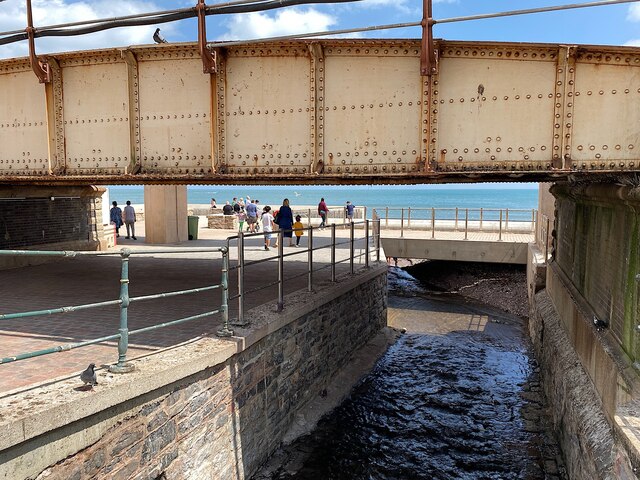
[268,114]
[372,112]
[23,124]
[606,116]
[96,117]
[494,114]
[175,116]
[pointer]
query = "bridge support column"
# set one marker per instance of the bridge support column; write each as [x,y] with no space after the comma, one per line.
[165,213]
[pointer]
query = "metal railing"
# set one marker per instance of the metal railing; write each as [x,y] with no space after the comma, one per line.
[123,301]
[458,220]
[370,241]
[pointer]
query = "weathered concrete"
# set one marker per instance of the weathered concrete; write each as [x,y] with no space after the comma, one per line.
[227,222]
[211,408]
[460,250]
[165,209]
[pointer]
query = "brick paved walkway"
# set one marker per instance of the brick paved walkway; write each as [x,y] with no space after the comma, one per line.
[82,280]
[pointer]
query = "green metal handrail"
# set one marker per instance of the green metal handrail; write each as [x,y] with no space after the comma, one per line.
[123,301]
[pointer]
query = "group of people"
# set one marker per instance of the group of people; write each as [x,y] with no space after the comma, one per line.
[117,217]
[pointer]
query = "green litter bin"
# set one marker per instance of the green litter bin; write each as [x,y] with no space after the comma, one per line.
[193,227]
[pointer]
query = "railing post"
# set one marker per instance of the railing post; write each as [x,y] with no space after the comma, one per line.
[224,283]
[310,260]
[534,220]
[456,227]
[333,252]
[123,342]
[308,217]
[433,222]
[280,270]
[481,212]
[546,243]
[378,241]
[366,243]
[351,249]
[466,223]
[506,220]
[240,321]
[409,218]
[500,227]
[364,213]
[402,222]
[386,217]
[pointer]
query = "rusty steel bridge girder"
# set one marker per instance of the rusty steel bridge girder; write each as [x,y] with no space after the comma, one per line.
[322,111]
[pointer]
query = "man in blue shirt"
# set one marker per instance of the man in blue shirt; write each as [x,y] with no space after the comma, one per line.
[252,215]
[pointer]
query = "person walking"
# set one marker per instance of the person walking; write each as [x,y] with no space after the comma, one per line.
[267,226]
[323,211]
[285,221]
[349,208]
[299,229]
[130,220]
[252,216]
[115,217]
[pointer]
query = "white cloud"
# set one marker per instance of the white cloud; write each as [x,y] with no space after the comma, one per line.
[633,43]
[284,22]
[633,14]
[49,12]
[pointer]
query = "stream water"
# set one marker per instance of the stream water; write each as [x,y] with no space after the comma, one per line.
[458,396]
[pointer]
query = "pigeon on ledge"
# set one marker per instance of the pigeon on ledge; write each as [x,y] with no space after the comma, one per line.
[89,376]
[157,37]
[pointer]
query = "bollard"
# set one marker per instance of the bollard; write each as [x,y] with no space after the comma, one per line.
[123,342]
[224,306]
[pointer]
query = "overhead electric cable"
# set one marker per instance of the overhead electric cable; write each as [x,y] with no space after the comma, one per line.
[239,6]
[245,6]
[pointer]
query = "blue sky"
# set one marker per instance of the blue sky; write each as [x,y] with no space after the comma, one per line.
[609,25]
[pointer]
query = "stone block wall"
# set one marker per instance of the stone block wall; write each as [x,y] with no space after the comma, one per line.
[225,222]
[49,218]
[224,421]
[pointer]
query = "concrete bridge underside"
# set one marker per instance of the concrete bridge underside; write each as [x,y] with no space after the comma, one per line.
[322,111]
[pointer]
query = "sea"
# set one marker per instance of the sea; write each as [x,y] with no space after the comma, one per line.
[522,196]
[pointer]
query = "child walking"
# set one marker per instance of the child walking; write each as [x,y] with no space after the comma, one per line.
[242,216]
[267,226]
[299,229]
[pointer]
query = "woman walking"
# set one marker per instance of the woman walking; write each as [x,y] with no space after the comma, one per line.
[285,221]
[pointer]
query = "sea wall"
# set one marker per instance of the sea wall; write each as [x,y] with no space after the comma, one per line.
[583,329]
[214,408]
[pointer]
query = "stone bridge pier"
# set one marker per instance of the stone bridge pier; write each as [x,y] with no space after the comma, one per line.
[584,326]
